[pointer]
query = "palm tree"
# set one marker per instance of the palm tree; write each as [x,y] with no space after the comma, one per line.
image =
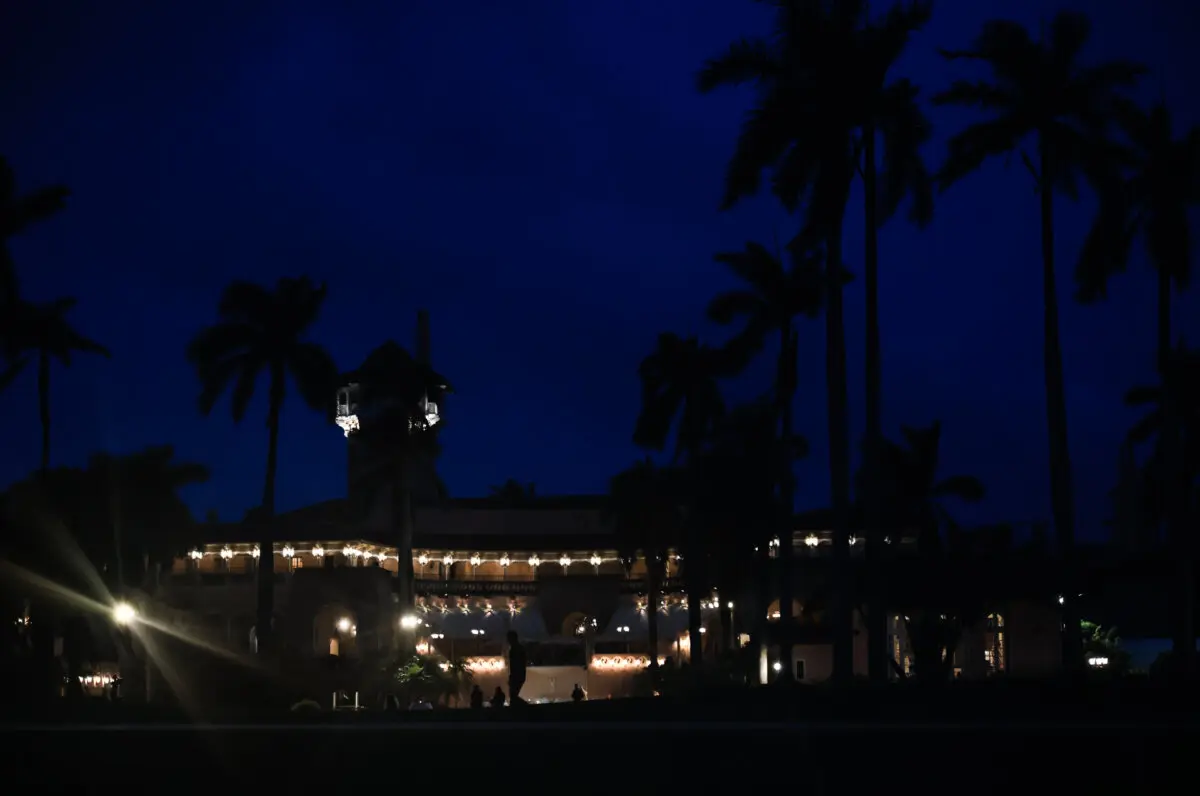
[913,495]
[139,495]
[680,378]
[823,99]
[44,331]
[1152,201]
[1040,90]
[260,330]
[737,505]
[17,213]
[645,506]
[1173,423]
[771,297]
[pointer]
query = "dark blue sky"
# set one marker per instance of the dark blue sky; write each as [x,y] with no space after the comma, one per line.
[542,176]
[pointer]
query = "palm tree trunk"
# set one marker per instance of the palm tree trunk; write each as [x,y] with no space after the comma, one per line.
[653,596]
[44,407]
[839,451]
[1183,642]
[266,522]
[787,388]
[1062,498]
[876,619]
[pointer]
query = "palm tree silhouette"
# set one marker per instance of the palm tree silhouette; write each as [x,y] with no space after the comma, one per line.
[262,330]
[1151,201]
[680,379]
[913,495]
[774,295]
[43,330]
[17,213]
[1040,90]
[645,505]
[739,510]
[1173,424]
[823,100]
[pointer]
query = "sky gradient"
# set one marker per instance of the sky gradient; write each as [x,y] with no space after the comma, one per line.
[543,177]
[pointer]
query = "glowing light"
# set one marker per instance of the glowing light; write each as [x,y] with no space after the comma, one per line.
[256,552]
[431,414]
[343,624]
[447,559]
[564,562]
[622,663]
[595,560]
[476,560]
[811,540]
[195,555]
[226,553]
[351,552]
[505,560]
[777,666]
[1098,661]
[729,605]
[318,551]
[348,424]
[409,622]
[123,613]
[487,663]
[422,559]
[288,551]
[535,562]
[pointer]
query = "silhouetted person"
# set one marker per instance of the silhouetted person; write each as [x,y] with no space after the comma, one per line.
[516,668]
[498,698]
[577,693]
[476,698]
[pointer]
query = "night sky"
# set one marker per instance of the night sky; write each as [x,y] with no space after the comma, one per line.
[542,176]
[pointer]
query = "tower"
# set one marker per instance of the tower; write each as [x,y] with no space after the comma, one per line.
[390,398]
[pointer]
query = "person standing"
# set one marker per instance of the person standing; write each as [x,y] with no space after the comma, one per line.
[516,668]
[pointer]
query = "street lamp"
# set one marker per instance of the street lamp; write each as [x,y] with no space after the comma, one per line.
[123,613]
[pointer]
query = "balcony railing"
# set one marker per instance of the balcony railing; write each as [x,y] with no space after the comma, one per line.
[475,586]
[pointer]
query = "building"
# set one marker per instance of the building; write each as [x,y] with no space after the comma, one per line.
[547,568]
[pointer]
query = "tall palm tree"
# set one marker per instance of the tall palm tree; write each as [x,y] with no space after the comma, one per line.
[913,495]
[1173,423]
[771,297]
[264,331]
[1151,200]
[1040,90]
[823,100]
[680,378]
[740,508]
[43,331]
[645,506]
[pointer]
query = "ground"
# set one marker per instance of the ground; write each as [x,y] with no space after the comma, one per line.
[614,757]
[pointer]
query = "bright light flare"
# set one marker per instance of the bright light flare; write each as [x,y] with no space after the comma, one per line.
[123,613]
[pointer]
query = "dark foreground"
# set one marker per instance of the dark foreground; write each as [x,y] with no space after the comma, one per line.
[614,757]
